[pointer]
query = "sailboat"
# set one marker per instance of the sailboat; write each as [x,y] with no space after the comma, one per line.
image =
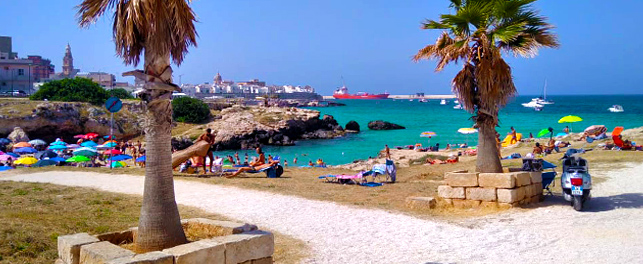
[542,100]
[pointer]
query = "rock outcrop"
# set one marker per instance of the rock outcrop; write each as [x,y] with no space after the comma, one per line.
[50,120]
[352,126]
[383,125]
[248,127]
[18,135]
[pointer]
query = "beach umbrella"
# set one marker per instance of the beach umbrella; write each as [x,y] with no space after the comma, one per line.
[78,158]
[4,141]
[118,164]
[57,147]
[90,144]
[467,130]
[73,146]
[45,162]
[80,136]
[140,159]
[91,135]
[121,157]
[543,132]
[22,145]
[89,152]
[595,129]
[112,152]
[58,159]
[110,144]
[14,155]
[4,168]
[26,161]
[6,157]
[37,142]
[58,143]
[428,134]
[25,150]
[46,154]
[570,119]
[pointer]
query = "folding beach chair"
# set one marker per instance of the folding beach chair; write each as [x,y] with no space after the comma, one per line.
[549,176]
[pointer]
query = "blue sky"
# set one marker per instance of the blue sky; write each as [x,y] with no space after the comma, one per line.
[370,43]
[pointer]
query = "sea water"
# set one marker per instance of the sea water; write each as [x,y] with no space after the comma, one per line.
[418,117]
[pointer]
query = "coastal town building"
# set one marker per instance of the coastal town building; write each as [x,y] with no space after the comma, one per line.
[105,80]
[19,74]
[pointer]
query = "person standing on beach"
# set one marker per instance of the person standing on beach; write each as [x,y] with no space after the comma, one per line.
[209,138]
[388,151]
[236,157]
[294,160]
[514,136]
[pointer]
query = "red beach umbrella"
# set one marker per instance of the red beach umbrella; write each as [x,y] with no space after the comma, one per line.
[113,152]
[91,135]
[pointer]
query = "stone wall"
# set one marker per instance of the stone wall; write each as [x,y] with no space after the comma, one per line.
[503,190]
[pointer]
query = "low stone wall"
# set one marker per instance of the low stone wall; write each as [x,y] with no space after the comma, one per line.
[242,243]
[503,190]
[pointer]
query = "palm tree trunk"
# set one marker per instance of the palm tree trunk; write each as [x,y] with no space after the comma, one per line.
[488,160]
[160,224]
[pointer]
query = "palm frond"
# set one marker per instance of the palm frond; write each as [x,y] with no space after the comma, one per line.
[464,87]
[445,50]
[494,82]
[159,27]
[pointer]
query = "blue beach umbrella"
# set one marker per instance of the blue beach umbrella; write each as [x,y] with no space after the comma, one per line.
[121,157]
[4,141]
[110,144]
[25,150]
[140,159]
[45,162]
[90,144]
[57,159]
[4,168]
[12,154]
[58,147]
[55,143]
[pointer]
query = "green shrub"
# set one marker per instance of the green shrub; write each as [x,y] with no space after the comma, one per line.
[120,93]
[190,110]
[72,90]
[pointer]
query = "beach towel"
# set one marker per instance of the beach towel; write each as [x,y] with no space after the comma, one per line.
[391,170]
[379,168]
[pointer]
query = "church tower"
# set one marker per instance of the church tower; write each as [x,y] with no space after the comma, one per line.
[217,79]
[68,63]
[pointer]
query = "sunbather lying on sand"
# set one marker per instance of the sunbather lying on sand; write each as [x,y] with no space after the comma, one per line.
[256,165]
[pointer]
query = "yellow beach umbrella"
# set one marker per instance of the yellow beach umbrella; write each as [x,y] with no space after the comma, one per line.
[26,161]
[570,119]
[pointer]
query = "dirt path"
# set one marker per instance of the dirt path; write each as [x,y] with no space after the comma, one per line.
[609,231]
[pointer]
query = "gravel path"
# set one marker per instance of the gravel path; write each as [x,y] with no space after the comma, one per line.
[609,231]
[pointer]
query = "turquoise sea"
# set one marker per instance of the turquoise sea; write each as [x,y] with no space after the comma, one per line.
[445,121]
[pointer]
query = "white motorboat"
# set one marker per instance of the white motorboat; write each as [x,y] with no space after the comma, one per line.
[423,100]
[458,106]
[456,102]
[533,104]
[616,109]
[443,102]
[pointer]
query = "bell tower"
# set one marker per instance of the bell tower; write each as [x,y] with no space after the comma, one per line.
[68,63]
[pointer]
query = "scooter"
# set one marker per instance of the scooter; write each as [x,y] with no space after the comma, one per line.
[576,181]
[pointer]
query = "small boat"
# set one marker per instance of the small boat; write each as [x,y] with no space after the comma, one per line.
[410,100]
[443,102]
[533,104]
[542,100]
[456,102]
[616,109]
[423,100]
[458,106]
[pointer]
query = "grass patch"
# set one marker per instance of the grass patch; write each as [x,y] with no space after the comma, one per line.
[33,220]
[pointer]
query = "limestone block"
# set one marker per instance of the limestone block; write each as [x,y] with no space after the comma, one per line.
[461,179]
[155,257]
[465,204]
[525,201]
[267,260]
[536,176]
[537,189]
[420,202]
[510,195]
[497,180]
[203,251]
[230,227]
[449,192]
[489,205]
[505,206]
[535,199]
[481,194]
[118,237]
[522,178]
[247,246]
[446,202]
[529,191]
[102,252]
[69,246]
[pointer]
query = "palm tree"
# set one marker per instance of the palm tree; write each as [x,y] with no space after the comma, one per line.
[163,29]
[477,35]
